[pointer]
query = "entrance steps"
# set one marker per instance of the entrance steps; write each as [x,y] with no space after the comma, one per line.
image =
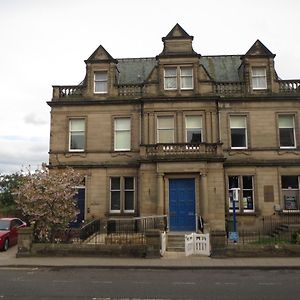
[176,242]
[285,229]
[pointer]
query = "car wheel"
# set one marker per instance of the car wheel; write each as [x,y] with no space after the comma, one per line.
[6,245]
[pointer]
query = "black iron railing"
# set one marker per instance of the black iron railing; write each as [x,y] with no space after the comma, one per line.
[90,229]
[137,224]
[271,229]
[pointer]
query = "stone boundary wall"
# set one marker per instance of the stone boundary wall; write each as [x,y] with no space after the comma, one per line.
[26,247]
[275,250]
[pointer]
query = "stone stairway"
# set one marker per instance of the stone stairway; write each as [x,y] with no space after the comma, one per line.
[285,229]
[175,242]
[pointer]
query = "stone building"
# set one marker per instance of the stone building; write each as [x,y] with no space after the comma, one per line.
[175,134]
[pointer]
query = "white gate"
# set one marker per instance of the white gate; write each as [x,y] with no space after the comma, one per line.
[197,244]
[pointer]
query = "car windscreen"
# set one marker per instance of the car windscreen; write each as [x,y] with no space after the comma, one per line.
[4,225]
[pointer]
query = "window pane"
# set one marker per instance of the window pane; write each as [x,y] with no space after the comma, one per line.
[115,200]
[259,71]
[170,83]
[77,125]
[247,182]
[289,182]
[122,124]
[100,87]
[193,136]
[186,82]
[166,136]
[259,83]
[193,122]
[286,137]
[101,76]
[129,183]
[286,121]
[291,199]
[165,122]
[77,141]
[248,199]
[238,138]
[129,200]
[122,141]
[237,122]
[186,71]
[115,183]
[170,72]
[233,182]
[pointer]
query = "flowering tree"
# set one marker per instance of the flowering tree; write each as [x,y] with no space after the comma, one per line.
[46,198]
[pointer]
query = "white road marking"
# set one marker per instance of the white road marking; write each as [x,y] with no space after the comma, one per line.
[102,282]
[62,281]
[183,283]
[268,283]
[141,282]
[225,283]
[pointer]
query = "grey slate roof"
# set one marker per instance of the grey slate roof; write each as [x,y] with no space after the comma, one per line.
[220,68]
[135,70]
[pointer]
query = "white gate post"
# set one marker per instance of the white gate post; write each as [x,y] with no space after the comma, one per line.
[163,243]
[189,244]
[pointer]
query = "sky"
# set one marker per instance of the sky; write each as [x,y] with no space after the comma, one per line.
[45,43]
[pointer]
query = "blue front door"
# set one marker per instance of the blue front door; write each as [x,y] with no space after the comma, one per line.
[182,204]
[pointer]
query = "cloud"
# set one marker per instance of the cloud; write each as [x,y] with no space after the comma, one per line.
[34,119]
[19,153]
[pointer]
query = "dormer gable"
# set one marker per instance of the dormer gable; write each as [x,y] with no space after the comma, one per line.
[101,74]
[258,49]
[258,68]
[178,43]
[100,55]
[177,32]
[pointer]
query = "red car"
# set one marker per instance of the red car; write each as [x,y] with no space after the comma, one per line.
[9,232]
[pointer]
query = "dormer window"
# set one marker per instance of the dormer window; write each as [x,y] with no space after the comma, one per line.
[186,78]
[175,77]
[170,78]
[100,82]
[259,78]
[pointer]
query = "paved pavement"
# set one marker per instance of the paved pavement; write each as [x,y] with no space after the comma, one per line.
[171,260]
